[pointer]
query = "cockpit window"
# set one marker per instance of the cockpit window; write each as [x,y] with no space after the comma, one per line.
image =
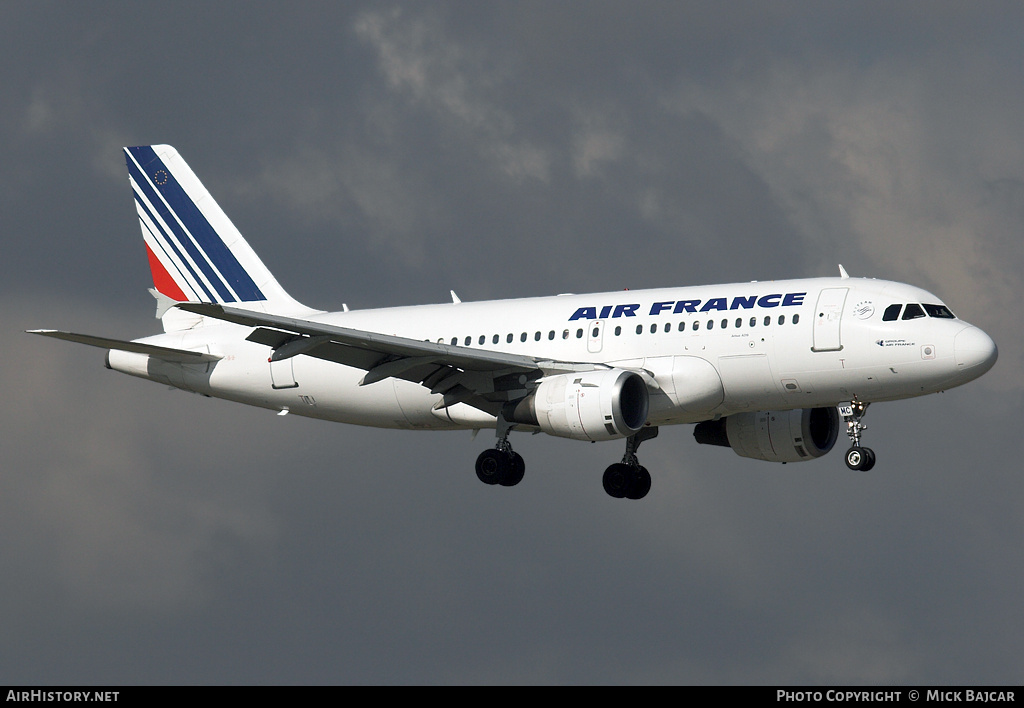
[891,313]
[913,311]
[940,311]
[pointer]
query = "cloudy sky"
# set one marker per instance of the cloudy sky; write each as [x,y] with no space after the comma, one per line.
[383,153]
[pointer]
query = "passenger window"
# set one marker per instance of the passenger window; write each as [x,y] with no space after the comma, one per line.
[913,311]
[654,328]
[753,321]
[668,327]
[639,329]
[891,313]
[767,320]
[682,326]
[782,319]
[596,331]
[469,340]
[551,334]
[796,318]
[522,337]
[483,338]
[940,311]
[494,339]
[455,340]
[696,325]
[725,324]
[618,331]
[536,336]
[739,322]
[711,324]
[579,334]
[565,334]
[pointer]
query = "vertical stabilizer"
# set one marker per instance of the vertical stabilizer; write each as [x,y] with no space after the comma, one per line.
[195,252]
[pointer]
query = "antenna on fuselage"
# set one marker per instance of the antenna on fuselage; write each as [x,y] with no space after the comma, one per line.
[842,272]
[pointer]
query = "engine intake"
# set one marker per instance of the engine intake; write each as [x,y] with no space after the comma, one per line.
[774,436]
[593,405]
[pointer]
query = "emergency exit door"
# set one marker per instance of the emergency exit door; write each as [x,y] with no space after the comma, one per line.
[595,336]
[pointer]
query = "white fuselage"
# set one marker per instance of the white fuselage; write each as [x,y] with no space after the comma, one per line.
[707,351]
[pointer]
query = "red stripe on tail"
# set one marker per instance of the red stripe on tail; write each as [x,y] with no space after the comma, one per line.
[162,279]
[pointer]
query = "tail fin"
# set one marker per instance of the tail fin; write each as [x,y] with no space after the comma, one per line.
[195,252]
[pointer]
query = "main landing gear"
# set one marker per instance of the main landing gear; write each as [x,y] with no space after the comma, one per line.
[498,466]
[501,465]
[623,480]
[629,479]
[857,457]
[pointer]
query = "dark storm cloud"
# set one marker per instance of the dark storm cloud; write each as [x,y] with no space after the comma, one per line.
[380,154]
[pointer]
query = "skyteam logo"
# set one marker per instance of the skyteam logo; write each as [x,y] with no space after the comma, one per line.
[863,310]
[678,307]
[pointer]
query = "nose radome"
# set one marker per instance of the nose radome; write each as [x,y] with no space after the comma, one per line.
[974,349]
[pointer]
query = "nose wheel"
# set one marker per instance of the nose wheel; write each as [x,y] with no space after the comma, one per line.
[858,458]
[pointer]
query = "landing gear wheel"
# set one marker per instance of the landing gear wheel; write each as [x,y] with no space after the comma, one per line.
[622,481]
[617,480]
[629,479]
[870,454]
[860,458]
[516,470]
[493,466]
[641,484]
[500,467]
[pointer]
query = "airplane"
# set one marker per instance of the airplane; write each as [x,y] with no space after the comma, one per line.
[770,369]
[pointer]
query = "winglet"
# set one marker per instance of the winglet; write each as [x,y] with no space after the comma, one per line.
[842,272]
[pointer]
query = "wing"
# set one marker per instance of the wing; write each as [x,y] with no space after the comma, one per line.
[483,379]
[182,356]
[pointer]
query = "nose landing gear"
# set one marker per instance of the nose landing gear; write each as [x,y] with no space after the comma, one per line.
[858,458]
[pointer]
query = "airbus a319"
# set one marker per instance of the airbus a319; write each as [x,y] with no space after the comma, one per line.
[775,370]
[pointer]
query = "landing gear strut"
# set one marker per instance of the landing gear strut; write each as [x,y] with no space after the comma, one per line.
[629,479]
[857,457]
[501,465]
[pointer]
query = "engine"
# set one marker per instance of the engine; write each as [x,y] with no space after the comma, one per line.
[593,405]
[775,436]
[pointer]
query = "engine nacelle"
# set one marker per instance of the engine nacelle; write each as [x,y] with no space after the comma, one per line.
[775,436]
[592,405]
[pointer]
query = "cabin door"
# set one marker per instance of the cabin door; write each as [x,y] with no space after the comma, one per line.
[828,315]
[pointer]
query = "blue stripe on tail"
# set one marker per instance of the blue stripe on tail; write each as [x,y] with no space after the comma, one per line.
[175,251]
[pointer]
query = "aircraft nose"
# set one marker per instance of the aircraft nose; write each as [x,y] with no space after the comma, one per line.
[975,351]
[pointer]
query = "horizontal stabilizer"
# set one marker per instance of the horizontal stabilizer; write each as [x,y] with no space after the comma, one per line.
[183,356]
